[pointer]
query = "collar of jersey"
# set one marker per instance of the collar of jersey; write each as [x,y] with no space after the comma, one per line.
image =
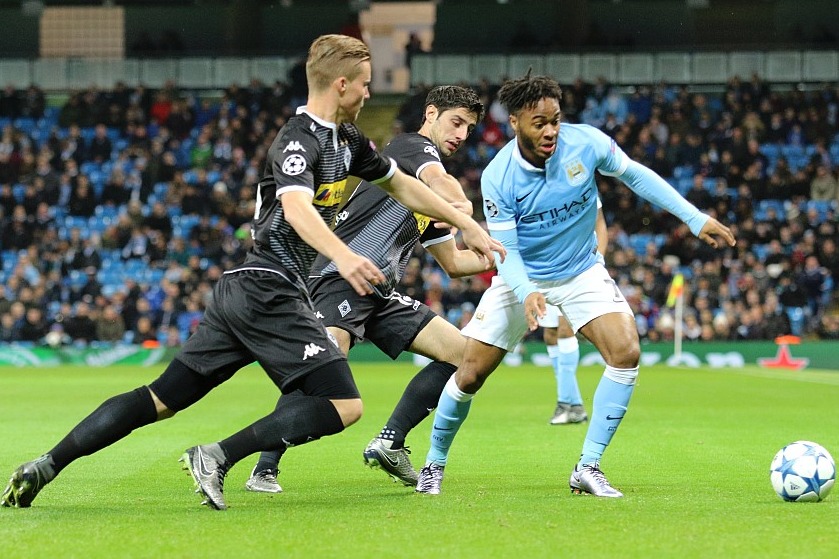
[320,121]
[522,161]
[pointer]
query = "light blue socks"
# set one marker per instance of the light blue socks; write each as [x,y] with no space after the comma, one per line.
[451,413]
[610,401]
[565,356]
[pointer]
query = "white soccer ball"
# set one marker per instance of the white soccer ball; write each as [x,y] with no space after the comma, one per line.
[802,471]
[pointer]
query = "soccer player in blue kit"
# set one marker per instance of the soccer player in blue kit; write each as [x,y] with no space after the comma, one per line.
[540,200]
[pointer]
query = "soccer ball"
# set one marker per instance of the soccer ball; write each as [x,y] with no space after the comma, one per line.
[802,471]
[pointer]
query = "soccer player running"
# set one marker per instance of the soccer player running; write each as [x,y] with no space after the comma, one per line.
[261,310]
[385,231]
[540,197]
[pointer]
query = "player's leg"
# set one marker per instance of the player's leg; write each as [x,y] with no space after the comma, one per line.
[319,394]
[177,388]
[593,300]
[497,326]
[320,403]
[407,324]
[565,357]
[263,478]
[344,313]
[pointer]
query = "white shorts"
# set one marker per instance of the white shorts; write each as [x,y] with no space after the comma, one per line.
[499,318]
[551,318]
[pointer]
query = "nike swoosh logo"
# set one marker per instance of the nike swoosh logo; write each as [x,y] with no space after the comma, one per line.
[609,417]
[202,469]
[392,462]
[443,428]
[523,197]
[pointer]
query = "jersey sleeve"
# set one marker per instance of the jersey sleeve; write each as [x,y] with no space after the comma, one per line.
[499,206]
[367,163]
[611,159]
[413,152]
[296,157]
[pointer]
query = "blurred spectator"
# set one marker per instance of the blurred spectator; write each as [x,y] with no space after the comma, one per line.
[110,326]
[824,185]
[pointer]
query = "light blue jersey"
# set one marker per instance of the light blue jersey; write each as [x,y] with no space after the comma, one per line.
[545,217]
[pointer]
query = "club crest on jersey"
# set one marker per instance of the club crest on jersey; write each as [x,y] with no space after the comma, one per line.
[492,209]
[347,157]
[294,164]
[576,172]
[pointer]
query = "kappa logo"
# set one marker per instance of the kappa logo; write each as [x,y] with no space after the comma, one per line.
[294,164]
[431,150]
[311,350]
[344,308]
[294,145]
[319,315]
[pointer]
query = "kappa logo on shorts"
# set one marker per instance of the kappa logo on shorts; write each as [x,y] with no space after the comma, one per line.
[344,308]
[319,315]
[311,350]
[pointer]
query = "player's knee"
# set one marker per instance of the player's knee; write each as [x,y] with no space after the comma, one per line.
[627,358]
[350,410]
[470,380]
[163,412]
[550,335]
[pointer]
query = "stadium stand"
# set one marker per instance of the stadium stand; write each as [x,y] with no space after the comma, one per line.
[141,217]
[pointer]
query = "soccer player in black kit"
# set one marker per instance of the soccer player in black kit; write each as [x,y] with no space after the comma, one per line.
[382,229]
[261,310]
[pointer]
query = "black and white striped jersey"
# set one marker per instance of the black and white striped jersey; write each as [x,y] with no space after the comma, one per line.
[376,226]
[314,156]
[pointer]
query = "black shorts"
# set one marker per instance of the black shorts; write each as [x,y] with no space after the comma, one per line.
[391,323]
[260,315]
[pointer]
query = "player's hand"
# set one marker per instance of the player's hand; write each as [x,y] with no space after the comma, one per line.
[359,272]
[713,229]
[483,245]
[534,309]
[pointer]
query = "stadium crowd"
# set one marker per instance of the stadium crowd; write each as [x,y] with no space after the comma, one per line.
[121,208]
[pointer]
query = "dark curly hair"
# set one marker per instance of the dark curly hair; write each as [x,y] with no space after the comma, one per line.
[446,97]
[525,92]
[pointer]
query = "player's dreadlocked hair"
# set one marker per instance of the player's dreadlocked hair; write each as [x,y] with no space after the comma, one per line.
[525,92]
[446,97]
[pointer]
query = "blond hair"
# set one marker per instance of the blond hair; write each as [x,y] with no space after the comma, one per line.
[332,57]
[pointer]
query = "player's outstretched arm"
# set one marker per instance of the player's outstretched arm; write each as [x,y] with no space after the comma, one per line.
[417,197]
[447,187]
[359,272]
[455,262]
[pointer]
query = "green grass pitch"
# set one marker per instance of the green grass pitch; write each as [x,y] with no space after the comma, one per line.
[692,458]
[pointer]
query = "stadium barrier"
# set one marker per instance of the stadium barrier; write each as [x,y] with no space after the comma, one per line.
[814,355]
